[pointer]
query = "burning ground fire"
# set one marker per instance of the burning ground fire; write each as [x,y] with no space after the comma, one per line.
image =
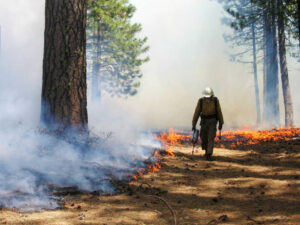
[252,137]
[244,136]
[34,180]
[229,138]
[150,169]
[169,140]
[172,138]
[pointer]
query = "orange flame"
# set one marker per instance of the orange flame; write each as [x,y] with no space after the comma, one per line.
[172,138]
[154,168]
[170,152]
[251,137]
[140,173]
[243,136]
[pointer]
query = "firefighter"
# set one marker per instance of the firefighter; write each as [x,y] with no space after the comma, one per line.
[209,109]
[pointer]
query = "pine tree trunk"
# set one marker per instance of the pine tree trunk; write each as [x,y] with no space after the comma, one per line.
[271,109]
[64,101]
[265,67]
[274,89]
[258,113]
[96,74]
[288,106]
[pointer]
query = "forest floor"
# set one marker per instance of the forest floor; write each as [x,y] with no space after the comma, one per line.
[251,185]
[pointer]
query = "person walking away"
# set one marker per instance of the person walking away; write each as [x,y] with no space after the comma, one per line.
[209,109]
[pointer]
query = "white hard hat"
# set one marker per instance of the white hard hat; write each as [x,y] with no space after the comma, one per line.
[208,92]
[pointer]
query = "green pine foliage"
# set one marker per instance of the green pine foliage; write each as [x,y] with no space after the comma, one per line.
[114,43]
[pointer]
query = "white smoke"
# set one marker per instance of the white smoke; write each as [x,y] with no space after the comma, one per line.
[186,51]
[31,163]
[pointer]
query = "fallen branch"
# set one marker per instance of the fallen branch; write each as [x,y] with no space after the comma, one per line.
[165,202]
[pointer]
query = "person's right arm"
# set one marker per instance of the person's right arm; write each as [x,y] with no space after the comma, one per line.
[196,115]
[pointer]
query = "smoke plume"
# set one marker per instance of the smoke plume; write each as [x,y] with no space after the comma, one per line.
[187,54]
[34,163]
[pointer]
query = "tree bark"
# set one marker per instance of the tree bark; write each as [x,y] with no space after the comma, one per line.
[64,101]
[265,67]
[96,73]
[271,104]
[288,106]
[258,113]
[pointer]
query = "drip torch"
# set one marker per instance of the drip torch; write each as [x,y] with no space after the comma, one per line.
[195,139]
[220,138]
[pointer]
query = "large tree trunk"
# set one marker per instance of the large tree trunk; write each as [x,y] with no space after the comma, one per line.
[258,113]
[96,74]
[64,101]
[288,106]
[271,109]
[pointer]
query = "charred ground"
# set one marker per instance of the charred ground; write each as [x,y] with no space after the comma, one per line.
[252,184]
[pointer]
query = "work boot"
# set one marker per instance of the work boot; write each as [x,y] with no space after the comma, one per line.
[208,157]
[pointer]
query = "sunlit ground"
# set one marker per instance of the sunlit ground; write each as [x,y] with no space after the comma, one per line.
[257,185]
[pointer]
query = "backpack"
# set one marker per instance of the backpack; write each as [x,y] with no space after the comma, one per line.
[210,116]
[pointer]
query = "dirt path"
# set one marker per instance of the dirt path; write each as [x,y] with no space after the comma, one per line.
[250,186]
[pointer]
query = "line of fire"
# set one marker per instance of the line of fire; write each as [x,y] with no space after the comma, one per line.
[128,112]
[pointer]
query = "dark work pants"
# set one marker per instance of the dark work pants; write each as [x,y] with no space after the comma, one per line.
[207,134]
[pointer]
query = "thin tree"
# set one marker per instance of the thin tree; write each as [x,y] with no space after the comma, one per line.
[245,23]
[278,18]
[64,102]
[288,106]
[254,54]
[271,114]
[252,17]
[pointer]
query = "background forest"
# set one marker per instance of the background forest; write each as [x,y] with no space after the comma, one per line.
[189,60]
[86,85]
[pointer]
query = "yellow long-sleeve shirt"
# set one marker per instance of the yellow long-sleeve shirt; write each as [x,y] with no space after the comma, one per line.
[207,109]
